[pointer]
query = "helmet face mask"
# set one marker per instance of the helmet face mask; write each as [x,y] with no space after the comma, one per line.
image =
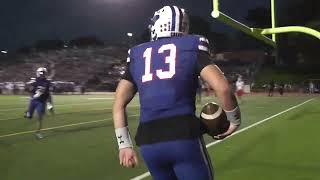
[169,21]
[41,72]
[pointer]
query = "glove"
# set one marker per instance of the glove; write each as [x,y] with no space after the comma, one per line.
[49,106]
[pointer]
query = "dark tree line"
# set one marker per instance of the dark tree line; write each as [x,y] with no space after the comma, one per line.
[297,49]
[52,44]
[294,48]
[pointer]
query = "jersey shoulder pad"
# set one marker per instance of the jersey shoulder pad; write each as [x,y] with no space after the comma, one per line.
[137,50]
[202,43]
[198,42]
[129,58]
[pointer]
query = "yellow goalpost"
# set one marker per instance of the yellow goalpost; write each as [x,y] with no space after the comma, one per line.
[260,33]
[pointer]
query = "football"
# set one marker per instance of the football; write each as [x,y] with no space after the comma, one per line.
[214,118]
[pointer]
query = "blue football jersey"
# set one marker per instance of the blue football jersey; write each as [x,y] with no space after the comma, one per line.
[40,86]
[166,77]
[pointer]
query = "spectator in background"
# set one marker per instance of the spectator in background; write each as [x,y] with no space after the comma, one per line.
[248,72]
[311,87]
[15,89]
[271,88]
[281,89]
[82,88]
[9,87]
[239,89]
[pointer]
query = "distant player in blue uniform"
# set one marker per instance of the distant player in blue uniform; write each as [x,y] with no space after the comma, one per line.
[40,97]
[165,73]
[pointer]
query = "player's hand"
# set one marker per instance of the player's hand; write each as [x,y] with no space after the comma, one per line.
[49,106]
[128,157]
[232,128]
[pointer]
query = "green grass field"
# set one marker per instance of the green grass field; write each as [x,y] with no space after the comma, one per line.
[79,142]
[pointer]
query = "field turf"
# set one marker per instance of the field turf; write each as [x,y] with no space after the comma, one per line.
[80,144]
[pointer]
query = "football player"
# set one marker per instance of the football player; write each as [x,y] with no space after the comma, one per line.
[165,73]
[40,98]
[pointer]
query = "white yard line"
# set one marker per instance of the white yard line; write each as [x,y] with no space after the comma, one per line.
[7,119]
[97,109]
[57,105]
[101,98]
[58,127]
[146,174]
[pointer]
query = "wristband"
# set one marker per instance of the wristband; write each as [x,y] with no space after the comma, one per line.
[123,137]
[234,116]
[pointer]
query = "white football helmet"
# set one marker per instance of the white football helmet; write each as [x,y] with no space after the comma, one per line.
[41,72]
[169,21]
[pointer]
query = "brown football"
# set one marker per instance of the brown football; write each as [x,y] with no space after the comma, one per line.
[214,119]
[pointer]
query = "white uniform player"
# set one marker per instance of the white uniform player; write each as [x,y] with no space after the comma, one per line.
[239,89]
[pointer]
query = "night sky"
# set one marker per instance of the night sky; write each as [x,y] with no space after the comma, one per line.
[25,21]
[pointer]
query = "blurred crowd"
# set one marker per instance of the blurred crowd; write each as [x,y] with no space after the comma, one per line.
[58,87]
[76,70]
[72,69]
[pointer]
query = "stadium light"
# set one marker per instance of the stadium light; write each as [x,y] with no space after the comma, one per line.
[129,34]
[4,52]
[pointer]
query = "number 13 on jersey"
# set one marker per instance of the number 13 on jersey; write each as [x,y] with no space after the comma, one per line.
[170,60]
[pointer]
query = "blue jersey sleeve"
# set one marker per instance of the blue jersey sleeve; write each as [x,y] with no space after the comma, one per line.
[127,74]
[202,44]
